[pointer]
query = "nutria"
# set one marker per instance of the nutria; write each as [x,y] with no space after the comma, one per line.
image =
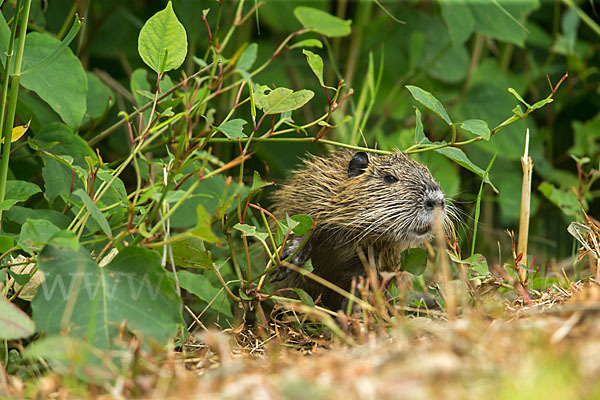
[377,204]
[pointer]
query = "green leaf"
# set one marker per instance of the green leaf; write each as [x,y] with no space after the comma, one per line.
[94,211]
[304,221]
[283,228]
[429,101]
[20,190]
[21,279]
[162,43]
[233,129]
[65,142]
[203,226]
[281,100]
[493,19]
[199,285]
[315,62]
[92,302]
[49,59]
[459,157]
[322,22]
[518,111]
[307,43]
[35,233]
[541,104]
[478,264]
[59,176]
[304,297]
[514,93]
[189,252]
[477,127]
[14,323]
[62,84]
[249,230]
[99,99]
[258,183]
[564,199]
[414,261]
[19,215]
[458,18]
[248,57]
[420,137]
[415,49]
[6,242]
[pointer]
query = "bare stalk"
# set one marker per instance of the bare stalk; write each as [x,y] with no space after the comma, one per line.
[527,165]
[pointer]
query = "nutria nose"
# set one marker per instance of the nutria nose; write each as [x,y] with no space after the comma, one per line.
[433,199]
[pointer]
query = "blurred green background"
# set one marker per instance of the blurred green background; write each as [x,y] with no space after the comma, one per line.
[467,53]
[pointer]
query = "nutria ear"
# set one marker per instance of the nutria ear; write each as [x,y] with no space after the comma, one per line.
[358,164]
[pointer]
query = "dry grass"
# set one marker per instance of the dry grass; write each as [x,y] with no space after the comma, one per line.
[549,348]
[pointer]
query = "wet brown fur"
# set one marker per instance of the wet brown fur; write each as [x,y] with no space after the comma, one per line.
[354,212]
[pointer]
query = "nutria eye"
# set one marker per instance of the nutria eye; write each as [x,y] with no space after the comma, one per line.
[390,179]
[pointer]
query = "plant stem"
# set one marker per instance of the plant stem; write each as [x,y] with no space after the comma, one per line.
[12,103]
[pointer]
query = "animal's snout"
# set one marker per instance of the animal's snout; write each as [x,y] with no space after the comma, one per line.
[435,199]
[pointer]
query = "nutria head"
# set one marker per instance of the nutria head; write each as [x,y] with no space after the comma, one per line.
[358,197]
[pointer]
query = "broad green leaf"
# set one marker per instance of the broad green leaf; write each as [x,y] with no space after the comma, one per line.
[415,49]
[17,191]
[322,22]
[21,279]
[315,62]
[49,59]
[190,252]
[199,285]
[162,43]
[60,177]
[248,57]
[94,211]
[564,199]
[459,19]
[304,221]
[35,233]
[493,19]
[19,215]
[99,99]
[570,24]
[452,65]
[6,242]
[30,107]
[14,323]
[62,84]
[282,99]
[307,43]
[299,225]
[477,127]
[92,302]
[20,190]
[429,101]
[414,261]
[65,142]
[459,157]
[233,129]
[514,93]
